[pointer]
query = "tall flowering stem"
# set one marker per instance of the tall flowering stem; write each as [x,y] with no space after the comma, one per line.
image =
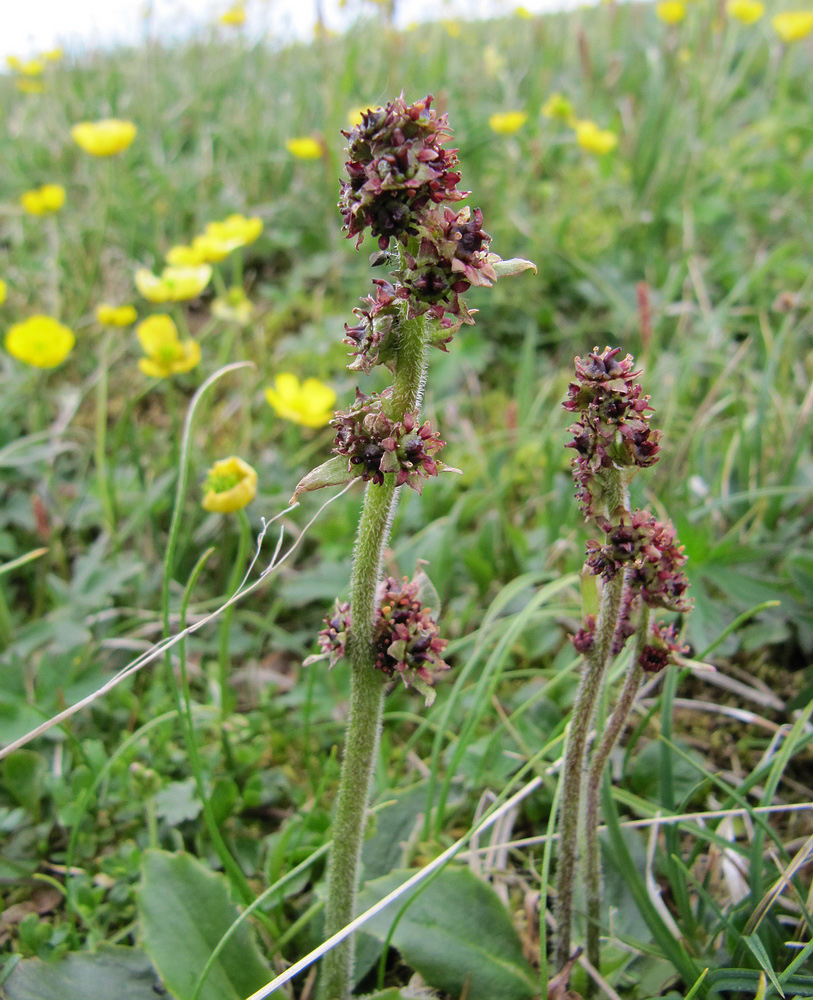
[400,183]
[639,567]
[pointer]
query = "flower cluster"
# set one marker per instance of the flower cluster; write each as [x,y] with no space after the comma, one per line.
[377,444]
[648,550]
[397,166]
[613,428]
[664,648]
[401,182]
[406,638]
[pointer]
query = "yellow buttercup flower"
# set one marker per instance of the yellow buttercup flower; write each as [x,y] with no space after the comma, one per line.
[594,139]
[523,13]
[309,404]
[234,16]
[507,122]
[454,29]
[40,341]
[305,148]
[671,11]
[176,284]
[108,315]
[793,25]
[166,353]
[43,200]
[234,307]
[746,11]
[235,229]
[231,484]
[104,138]
[52,55]
[3,291]
[557,107]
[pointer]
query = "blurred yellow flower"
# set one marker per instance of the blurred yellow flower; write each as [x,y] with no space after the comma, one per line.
[40,341]
[52,55]
[594,139]
[104,138]
[305,148]
[235,229]
[793,25]
[309,404]
[176,284]
[234,16]
[454,29]
[33,67]
[3,291]
[523,13]
[108,315]
[557,107]
[507,122]
[184,256]
[746,11]
[166,353]
[43,200]
[671,11]
[231,484]
[29,86]
[354,115]
[234,307]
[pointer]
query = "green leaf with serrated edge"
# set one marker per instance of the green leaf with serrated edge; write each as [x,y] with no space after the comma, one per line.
[456,933]
[112,971]
[185,910]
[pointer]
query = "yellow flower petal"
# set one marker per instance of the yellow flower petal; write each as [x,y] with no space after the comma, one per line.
[40,341]
[745,11]
[507,122]
[108,315]
[3,291]
[594,139]
[670,11]
[793,25]
[309,404]
[43,200]
[104,138]
[304,148]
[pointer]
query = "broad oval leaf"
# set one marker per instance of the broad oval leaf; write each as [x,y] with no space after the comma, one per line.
[456,933]
[185,911]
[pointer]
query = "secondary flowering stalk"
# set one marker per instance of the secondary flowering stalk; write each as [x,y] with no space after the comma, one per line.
[400,182]
[639,566]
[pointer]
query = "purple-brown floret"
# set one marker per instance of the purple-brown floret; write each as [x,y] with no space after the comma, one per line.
[376,445]
[648,551]
[406,636]
[396,166]
[613,428]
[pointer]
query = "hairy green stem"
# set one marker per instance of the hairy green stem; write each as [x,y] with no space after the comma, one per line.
[584,710]
[614,729]
[367,684]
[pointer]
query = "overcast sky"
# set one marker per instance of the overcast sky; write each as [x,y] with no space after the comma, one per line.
[32,26]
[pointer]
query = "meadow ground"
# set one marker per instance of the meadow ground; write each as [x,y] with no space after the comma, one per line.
[678,229]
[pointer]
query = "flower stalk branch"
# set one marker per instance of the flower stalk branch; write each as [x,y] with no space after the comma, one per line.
[640,566]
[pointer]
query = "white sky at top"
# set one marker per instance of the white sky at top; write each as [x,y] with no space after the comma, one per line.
[37,25]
